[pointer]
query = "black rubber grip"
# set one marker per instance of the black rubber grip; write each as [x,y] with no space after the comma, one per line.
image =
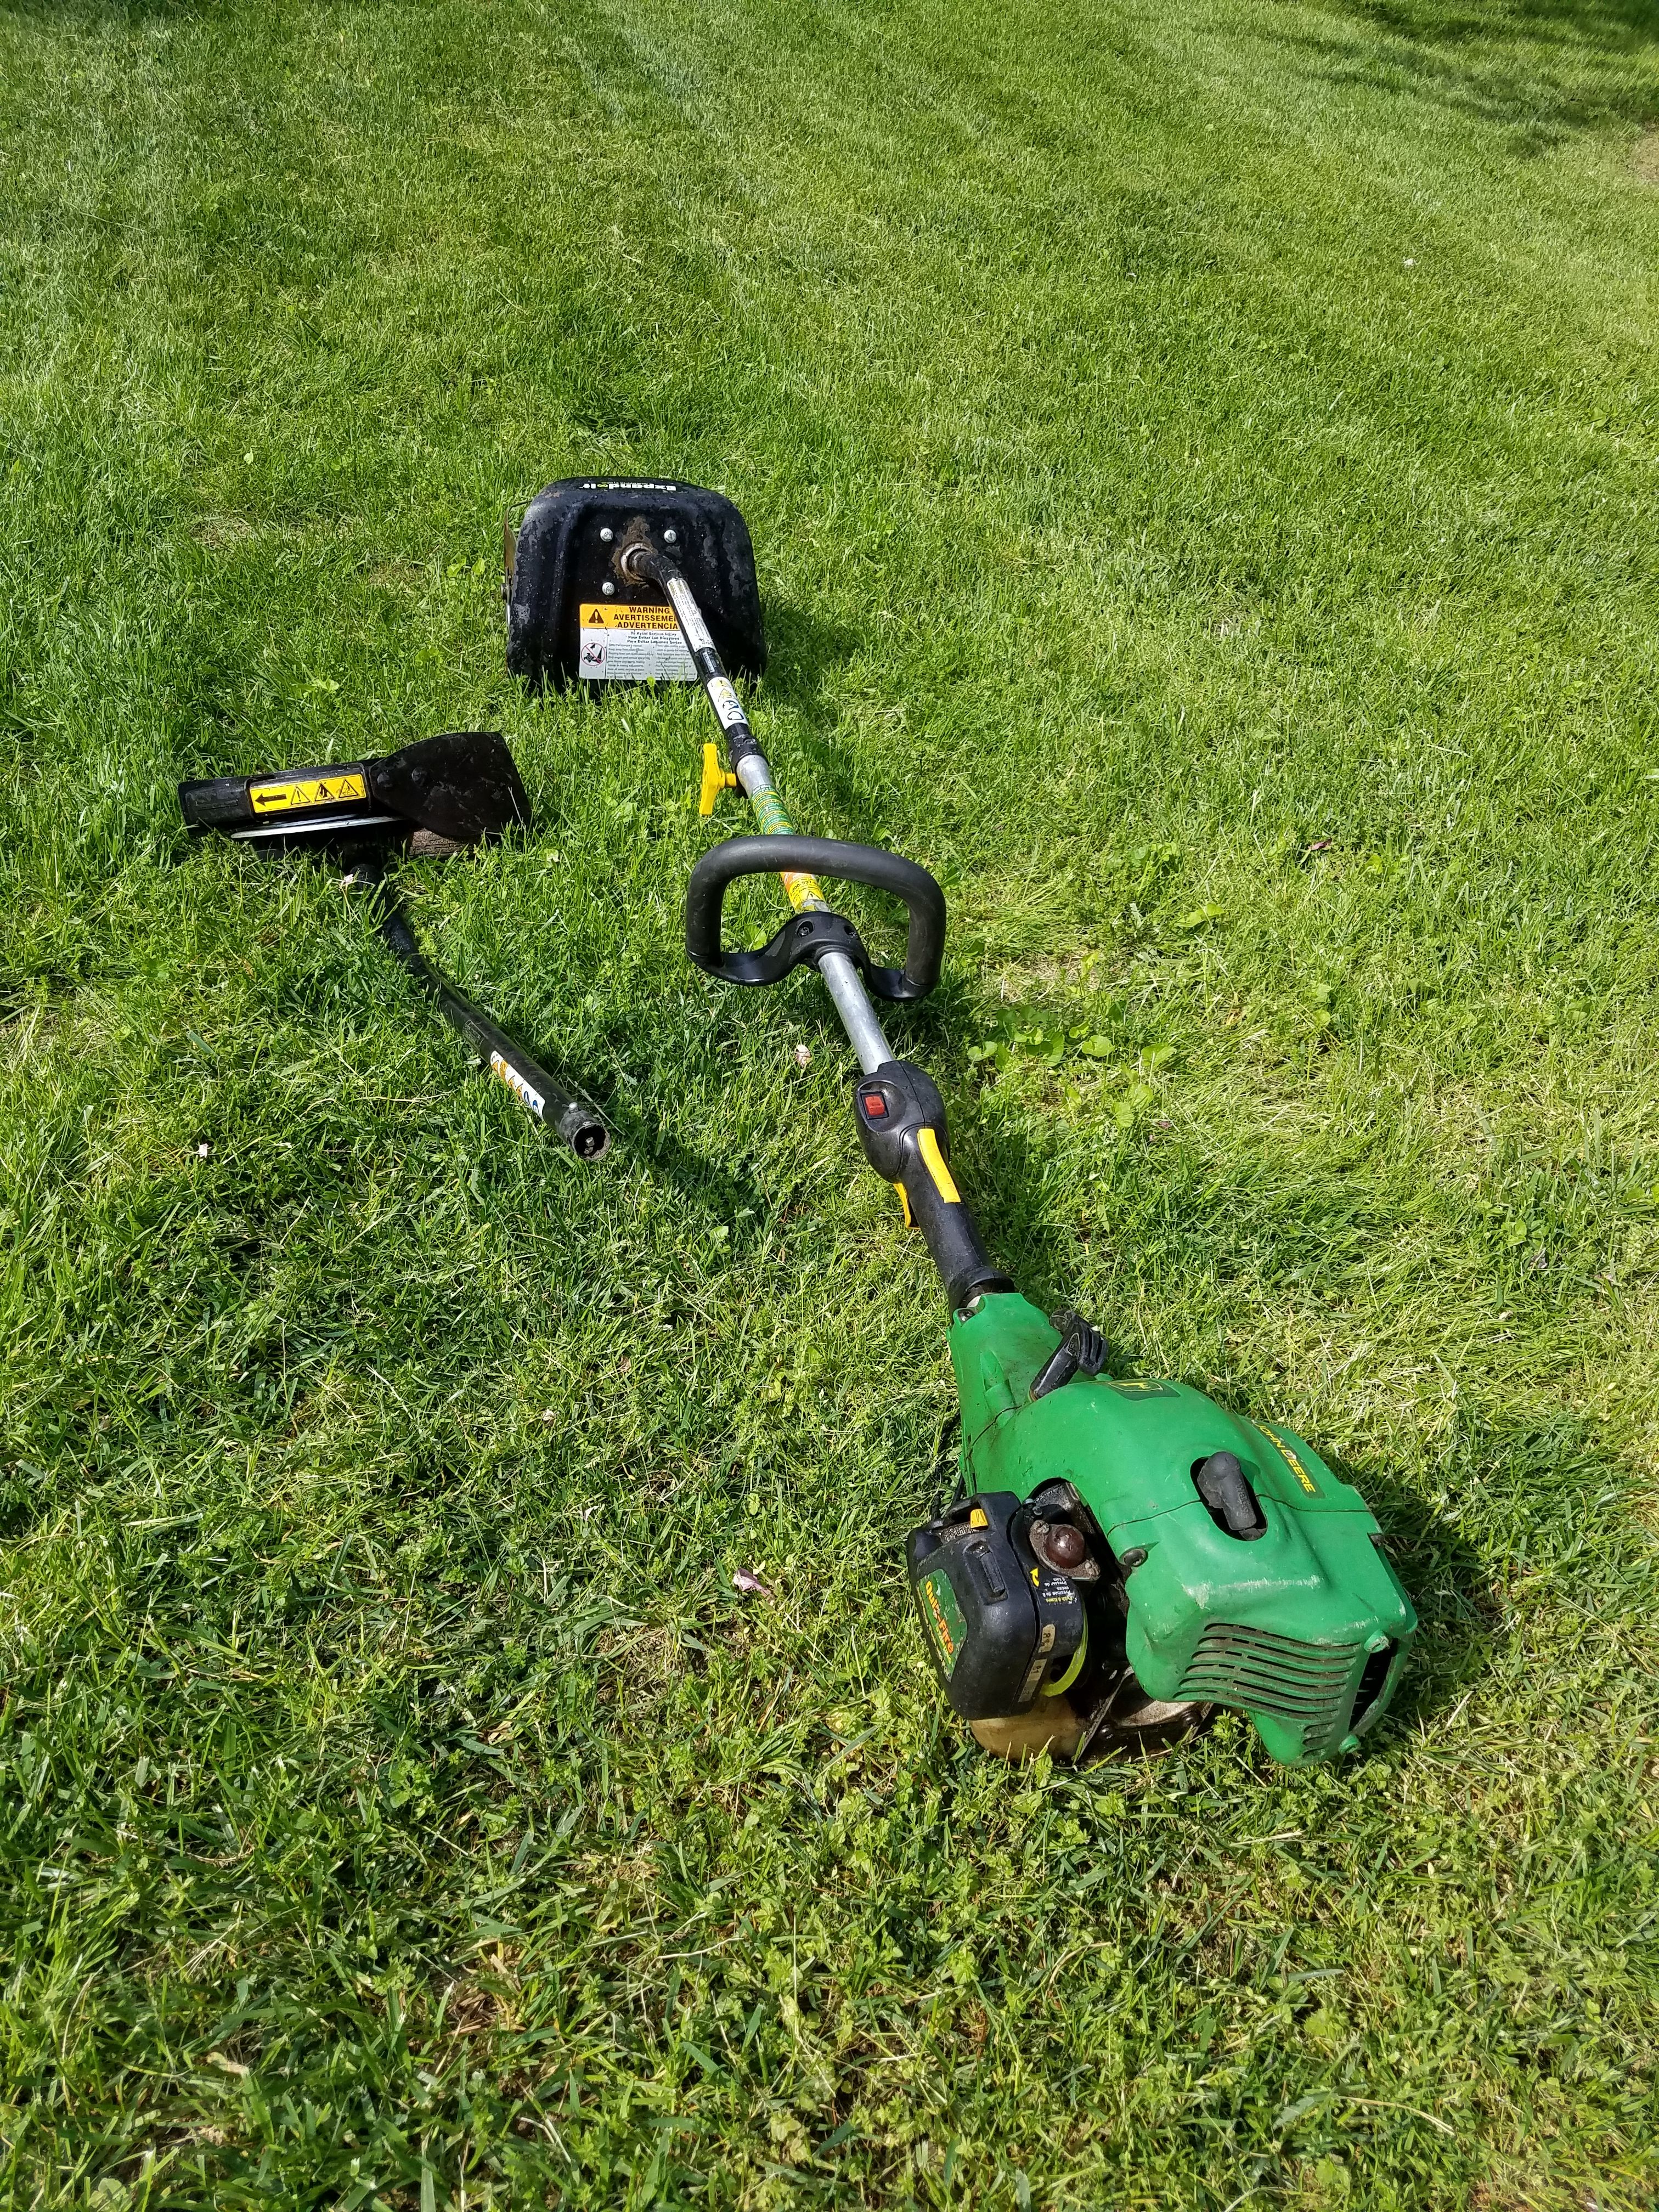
[952,1238]
[219,803]
[705,895]
[893,1109]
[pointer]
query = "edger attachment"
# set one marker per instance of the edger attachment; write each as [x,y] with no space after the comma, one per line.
[1125,1554]
[435,798]
[459,789]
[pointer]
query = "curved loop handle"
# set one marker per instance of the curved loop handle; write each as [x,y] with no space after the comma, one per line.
[924,951]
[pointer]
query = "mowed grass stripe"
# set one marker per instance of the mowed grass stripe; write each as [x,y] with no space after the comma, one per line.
[1201,465]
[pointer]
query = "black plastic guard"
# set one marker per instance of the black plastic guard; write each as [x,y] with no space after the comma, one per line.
[560,562]
[464,785]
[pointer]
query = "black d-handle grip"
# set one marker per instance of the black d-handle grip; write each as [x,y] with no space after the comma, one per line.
[809,936]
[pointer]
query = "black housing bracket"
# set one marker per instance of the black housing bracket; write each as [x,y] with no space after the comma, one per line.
[997,1617]
[808,937]
[565,554]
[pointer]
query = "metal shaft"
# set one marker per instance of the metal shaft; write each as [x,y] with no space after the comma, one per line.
[901,1116]
[576,1119]
[748,764]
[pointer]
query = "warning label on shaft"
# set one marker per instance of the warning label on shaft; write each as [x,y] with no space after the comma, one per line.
[305,791]
[633,645]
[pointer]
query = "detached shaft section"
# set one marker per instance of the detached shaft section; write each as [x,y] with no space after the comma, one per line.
[574,1118]
[435,797]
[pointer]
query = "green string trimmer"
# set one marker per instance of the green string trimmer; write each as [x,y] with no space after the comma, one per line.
[1125,1554]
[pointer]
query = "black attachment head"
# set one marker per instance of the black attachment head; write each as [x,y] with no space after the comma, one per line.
[464,787]
[439,795]
[574,615]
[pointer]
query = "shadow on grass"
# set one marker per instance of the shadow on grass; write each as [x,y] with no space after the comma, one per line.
[121,13]
[802,650]
[1541,1517]
[1449,1582]
[1543,70]
[698,1178]
[805,652]
[1610,26]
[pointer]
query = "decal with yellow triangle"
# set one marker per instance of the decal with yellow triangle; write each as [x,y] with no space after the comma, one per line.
[623,642]
[290,792]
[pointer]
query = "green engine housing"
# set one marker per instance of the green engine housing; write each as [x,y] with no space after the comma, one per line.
[1303,1627]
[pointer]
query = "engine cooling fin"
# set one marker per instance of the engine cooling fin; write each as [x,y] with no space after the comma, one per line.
[1310,1685]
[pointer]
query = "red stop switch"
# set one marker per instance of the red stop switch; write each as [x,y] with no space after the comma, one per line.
[875,1105]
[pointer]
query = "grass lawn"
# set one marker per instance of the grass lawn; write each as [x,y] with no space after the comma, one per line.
[1201,459]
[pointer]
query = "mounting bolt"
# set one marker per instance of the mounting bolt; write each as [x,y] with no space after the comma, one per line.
[605,537]
[671,538]
[608,588]
[1133,1559]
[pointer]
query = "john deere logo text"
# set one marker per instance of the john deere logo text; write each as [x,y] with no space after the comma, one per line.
[1292,1462]
[944,1617]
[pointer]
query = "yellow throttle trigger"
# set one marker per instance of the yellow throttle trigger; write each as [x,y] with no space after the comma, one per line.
[904,1201]
[715,780]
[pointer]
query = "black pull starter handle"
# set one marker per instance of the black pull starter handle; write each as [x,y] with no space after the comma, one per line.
[810,936]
